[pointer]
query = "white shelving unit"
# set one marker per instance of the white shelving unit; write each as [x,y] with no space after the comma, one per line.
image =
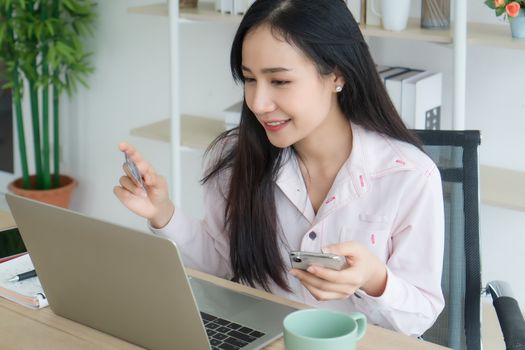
[500,187]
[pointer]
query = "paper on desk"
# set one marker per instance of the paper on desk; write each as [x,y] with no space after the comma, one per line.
[28,292]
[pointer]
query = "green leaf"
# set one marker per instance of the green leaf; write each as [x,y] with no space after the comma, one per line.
[3,30]
[49,27]
[491,4]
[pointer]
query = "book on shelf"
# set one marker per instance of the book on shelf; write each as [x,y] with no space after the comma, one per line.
[394,86]
[234,7]
[392,72]
[28,292]
[224,6]
[416,94]
[380,68]
[421,101]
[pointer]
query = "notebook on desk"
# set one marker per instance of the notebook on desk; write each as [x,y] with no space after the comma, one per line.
[133,285]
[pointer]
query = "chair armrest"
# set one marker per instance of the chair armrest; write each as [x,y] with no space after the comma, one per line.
[509,315]
[499,289]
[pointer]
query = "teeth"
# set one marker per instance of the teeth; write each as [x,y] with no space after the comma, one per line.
[276,123]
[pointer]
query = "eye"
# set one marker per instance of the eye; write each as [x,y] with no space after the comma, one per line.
[248,80]
[280,82]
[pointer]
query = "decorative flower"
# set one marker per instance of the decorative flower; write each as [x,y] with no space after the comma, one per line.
[508,8]
[513,9]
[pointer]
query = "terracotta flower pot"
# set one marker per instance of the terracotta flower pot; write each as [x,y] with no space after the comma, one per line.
[60,196]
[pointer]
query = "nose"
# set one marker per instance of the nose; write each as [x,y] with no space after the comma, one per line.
[259,99]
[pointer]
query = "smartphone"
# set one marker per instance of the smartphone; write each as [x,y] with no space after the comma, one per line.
[301,260]
[131,170]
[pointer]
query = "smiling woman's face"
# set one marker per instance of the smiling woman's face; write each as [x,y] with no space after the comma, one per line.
[284,89]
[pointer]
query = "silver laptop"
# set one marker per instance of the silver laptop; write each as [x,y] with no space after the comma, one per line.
[133,285]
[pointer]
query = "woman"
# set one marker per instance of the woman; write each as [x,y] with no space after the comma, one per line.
[321,161]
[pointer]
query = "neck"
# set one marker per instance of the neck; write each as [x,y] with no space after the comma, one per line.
[329,146]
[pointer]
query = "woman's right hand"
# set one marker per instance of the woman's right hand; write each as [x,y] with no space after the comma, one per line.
[152,202]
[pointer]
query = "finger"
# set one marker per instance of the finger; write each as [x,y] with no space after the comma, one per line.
[321,284]
[348,248]
[126,147]
[122,194]
[324,273]
[152,179]
[127,184]
[346,276]
[146,169]
[323,295]
[131,152]
[129,200]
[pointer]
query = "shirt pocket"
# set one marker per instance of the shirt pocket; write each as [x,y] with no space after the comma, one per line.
[373,232]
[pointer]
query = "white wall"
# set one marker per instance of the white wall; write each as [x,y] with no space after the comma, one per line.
[130,89]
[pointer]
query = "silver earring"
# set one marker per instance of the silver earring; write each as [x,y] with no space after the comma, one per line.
[338,88]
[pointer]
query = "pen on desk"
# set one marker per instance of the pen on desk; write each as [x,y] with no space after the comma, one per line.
[23,276]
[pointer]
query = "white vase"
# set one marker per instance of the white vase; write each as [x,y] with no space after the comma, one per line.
[394,14]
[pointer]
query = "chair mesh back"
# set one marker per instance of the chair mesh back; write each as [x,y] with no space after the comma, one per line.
[456,155]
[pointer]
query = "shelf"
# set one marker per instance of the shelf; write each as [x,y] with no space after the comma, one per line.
[493,35]
[413,31]
[479,34]
[204,12]
[502,187]
[196,132]
[152,10]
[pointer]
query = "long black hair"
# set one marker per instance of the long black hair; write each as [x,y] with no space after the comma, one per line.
[327,33]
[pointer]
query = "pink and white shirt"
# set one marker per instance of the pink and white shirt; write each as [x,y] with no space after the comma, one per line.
[387,196]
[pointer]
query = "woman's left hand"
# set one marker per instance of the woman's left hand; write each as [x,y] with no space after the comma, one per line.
[365,272]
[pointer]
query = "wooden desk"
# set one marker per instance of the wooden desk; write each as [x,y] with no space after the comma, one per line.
[23,328]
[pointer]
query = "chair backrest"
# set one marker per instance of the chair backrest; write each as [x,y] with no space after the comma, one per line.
[456,155]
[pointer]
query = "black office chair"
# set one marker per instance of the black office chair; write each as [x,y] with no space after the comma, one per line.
[459,325]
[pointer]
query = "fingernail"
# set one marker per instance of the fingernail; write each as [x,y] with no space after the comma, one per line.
[293,273]
[311,269]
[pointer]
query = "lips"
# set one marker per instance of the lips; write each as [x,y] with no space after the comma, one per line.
[275,125]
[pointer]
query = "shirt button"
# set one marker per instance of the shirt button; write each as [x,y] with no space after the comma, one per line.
[312,235]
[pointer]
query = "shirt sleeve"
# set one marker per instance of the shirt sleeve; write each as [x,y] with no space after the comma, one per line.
[203,244]
[413,298]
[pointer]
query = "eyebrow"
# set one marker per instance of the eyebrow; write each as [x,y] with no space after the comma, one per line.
[268,70]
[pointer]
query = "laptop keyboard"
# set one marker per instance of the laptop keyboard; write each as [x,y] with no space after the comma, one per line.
[226,335]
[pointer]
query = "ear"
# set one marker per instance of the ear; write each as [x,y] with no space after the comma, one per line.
[338,79]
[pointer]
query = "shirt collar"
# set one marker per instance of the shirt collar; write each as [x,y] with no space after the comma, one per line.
[373,155]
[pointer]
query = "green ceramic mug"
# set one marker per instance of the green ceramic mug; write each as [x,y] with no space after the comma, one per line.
[319,329]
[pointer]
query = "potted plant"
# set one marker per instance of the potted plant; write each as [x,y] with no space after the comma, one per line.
[514,11]
[41,46]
